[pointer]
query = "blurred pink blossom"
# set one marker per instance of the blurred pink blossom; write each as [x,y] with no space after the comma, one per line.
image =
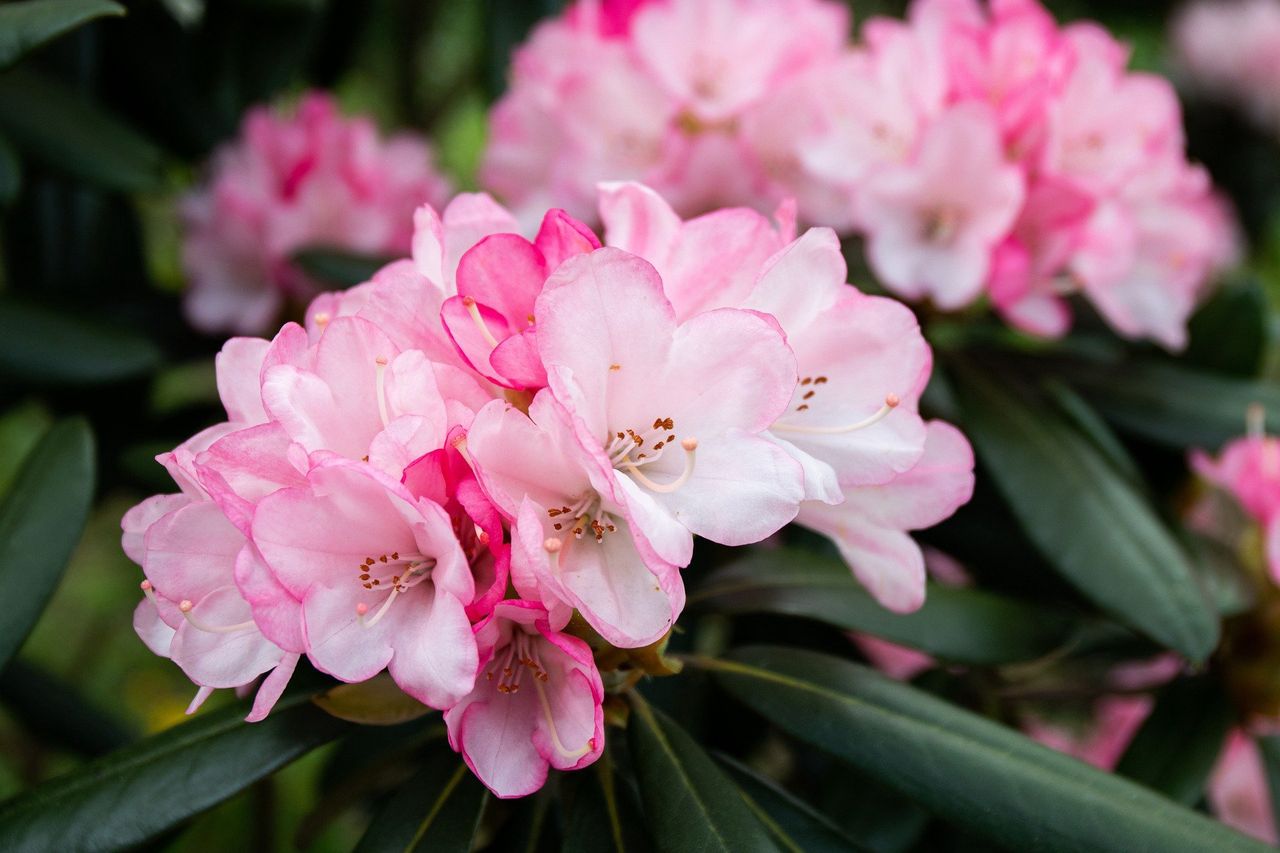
[291,180]
[1230,49]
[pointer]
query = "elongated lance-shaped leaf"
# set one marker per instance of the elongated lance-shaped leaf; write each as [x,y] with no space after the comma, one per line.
[1087,519]
[54,711]
[41,519]
[41,346]
[78,137]
[130,796]
[1175,405]
[30,23]
[1178,744]
[437,810]
[689,802]
[603,813]
[965,768]
[966,626]
[797,824]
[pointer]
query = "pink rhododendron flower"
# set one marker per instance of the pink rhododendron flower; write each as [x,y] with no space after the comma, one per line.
[1231,50]
[1238,788]
[536,703]
[659,92]
[441,466]
[1248,469]
[981,149]
[309,178]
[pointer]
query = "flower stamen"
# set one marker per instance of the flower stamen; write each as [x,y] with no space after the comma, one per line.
[185,606]
[690,446]
[474,310]
[891,402]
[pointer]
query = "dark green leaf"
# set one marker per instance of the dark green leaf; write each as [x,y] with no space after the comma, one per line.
[39,346]
[967,769]
[689,803]
[130,796]
[1175,405]
[1087,518]
[967,626]
[55,712]
[41,519]
[338,270]
[27,25]
[603,812]
[1178,744]
[1229,334]
[590,826]
[438,810]
[64,130]
[800,824]
[10,172]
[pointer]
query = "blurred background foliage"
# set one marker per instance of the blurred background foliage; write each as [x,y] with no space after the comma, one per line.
[102,128]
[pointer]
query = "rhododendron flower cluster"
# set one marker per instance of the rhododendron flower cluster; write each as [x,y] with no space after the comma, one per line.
[303,178]
[981,150]
[1248,470]
[442,466]
[1231,50]
[670,93]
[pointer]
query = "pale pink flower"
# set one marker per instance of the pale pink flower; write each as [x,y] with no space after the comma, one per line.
[1238,789]
[658,92]
[870,526]
[933,224]
[309,178]
[852,419]
[1100,740]
[1249,470]
[536,703]
[381,577]
[1231,50]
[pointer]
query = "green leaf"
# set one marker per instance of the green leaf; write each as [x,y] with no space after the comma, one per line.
[56,713]
[1177,746]
[689,803]
[1174,405]
[336,269]
[66,131]
[39,346]
[437,810]
[20,431]
[10,172]
[966,769]
[602,812]
[26,25]
[1086,517]
[968,626]
[376,702]
[1229,333]
[131,796]
[41,519]
[799,825]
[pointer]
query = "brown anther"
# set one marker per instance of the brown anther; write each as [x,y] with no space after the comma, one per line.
[395,555]
[807,380]
[809,394]
[820,380]
[368,561]
[802,407]
[615,367]
[558,526]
